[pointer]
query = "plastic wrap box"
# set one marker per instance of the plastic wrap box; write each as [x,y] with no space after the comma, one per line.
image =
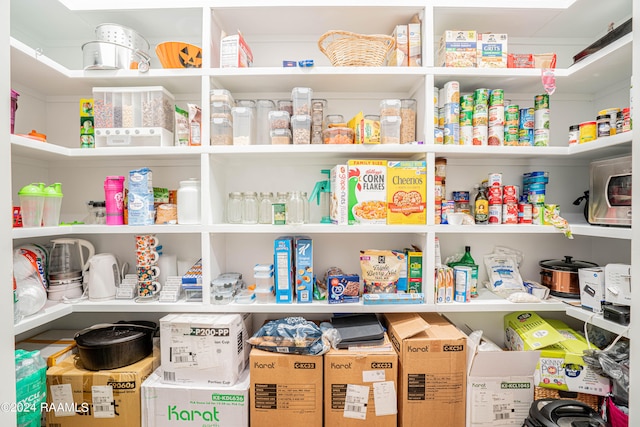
[204,349]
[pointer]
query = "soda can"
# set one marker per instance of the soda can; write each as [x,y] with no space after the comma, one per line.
[495,179]
[451,92]
[451,133]
[526,118]
[495,135]
[541,101]
[462,283]
[480,135]
[510,213]
[466,102]
[494,194]
[466,135]
[495,214]
[496,97]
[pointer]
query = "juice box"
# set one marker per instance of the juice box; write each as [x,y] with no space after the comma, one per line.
[414,272]
[367,191]
[283,268]
[406,192]
[339,204]
[492,50]
[304,269]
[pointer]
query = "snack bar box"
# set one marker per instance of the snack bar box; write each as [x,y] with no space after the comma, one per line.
[77,397]
[165,405]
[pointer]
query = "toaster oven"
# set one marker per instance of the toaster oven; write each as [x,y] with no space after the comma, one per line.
[610,192]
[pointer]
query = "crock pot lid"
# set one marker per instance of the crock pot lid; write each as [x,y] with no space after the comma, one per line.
[104,337]
[566,264]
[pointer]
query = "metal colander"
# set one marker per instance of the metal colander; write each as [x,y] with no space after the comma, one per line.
[119,34]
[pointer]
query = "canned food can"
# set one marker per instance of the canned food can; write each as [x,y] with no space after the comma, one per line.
[541,119]
[536,197]
[526,118]
[541,101]
[494,194]
[512,115]
[495,135]
[439,190]
[481,96]
[462,283]
[451,113]
[525,213]
[537,213]
[480,118]
[510,213]
[525,137]
[510,194]
[448,207]
[587,132]
[496,97]
[495,179]
[466,135]
[436,97]
[440,117]
[451,92]
[574,134]
[511,134]
[451,133]
[466,102]
[495,214]
[480,135]
[438,136]
[466,118]
[496,115]
[613,114]
[603,126]
[460,196]
[541,137]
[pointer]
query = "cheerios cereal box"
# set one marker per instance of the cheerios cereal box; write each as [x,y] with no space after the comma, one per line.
[367,191]
[406,192]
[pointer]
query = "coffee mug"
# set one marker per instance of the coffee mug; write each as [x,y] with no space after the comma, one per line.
[148,288]
[147,257]
[146,241]
[148,273]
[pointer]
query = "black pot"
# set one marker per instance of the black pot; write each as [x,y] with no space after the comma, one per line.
[112,346]
[559,412]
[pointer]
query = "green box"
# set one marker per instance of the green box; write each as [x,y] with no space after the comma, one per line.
[414,272]
[279,213]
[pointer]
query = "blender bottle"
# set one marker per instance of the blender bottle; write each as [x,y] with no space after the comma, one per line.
[114,199]
[31,205]
[52,205]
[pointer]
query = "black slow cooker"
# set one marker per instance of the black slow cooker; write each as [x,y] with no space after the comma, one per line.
[562,413]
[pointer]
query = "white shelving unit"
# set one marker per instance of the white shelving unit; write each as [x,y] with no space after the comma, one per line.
[46,68]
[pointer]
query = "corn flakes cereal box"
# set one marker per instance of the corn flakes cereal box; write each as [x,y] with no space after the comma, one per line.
[367,191]
[492,50]
[406,192]
[304,269]
[457,49]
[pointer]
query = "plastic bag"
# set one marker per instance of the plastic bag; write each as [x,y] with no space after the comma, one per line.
[295,335]
[504,277]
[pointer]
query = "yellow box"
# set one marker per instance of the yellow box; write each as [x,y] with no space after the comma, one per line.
[86,107]
[406,192]
[365,131]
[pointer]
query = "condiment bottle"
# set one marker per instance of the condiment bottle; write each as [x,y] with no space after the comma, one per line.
[481,207]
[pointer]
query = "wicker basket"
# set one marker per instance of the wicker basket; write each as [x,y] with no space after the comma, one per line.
[346,49]
[549,393]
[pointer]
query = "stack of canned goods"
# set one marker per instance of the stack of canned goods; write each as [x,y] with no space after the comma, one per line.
[534,188]
[496,117]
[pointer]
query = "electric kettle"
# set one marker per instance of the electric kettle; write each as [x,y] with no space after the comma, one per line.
[67,259]
[104,276]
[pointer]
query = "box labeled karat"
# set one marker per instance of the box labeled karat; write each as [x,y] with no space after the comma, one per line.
[285,387]
[111,398]
[204,349]
[360,388]
[432,376]
[165,405]
[415,44]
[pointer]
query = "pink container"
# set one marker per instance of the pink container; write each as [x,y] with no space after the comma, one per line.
[14,107]
[114,199]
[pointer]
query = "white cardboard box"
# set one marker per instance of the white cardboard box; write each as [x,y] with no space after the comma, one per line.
[500,387]
[591,288]
[204,349]
[165,405]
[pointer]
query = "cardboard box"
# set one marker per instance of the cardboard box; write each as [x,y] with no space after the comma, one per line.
[343,288]
[592,289]
[492,50]
[55,345]
[304,269]
[500,387]
[165,405]
[406,192]
[204,349]
[561,365]
[367,191]
[360,388]
[365,131]
[399,56]
[235,52]
[283,268]
[432,375]
[415,44]
[339,205]
[284,388]
[78,397]
[457,49]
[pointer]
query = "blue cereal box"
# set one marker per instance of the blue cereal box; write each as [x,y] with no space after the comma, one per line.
[304,269]
[343,288]
[283,268]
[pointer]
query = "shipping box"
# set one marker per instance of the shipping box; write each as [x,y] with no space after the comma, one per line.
[165,405]
[55,345]
[204,349]
[360,387]
[286,389]
[500,387]
[561,365]
[432,371]
[77,397]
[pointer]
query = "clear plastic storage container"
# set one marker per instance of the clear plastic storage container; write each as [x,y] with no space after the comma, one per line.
[133,107]
[390,129]
[221,131]
[301,129]
[263,124]
[242,125]
[390,107]
[220,95]
[279,119]
[221,109]
[301,98]
[280,136]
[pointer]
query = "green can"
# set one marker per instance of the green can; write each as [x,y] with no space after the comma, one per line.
[466,102]
[481,96]
[541,101]
[466,117]
[496,97]
[511,135]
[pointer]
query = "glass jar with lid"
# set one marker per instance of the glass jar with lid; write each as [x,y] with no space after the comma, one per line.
[234,208]
[249,207]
